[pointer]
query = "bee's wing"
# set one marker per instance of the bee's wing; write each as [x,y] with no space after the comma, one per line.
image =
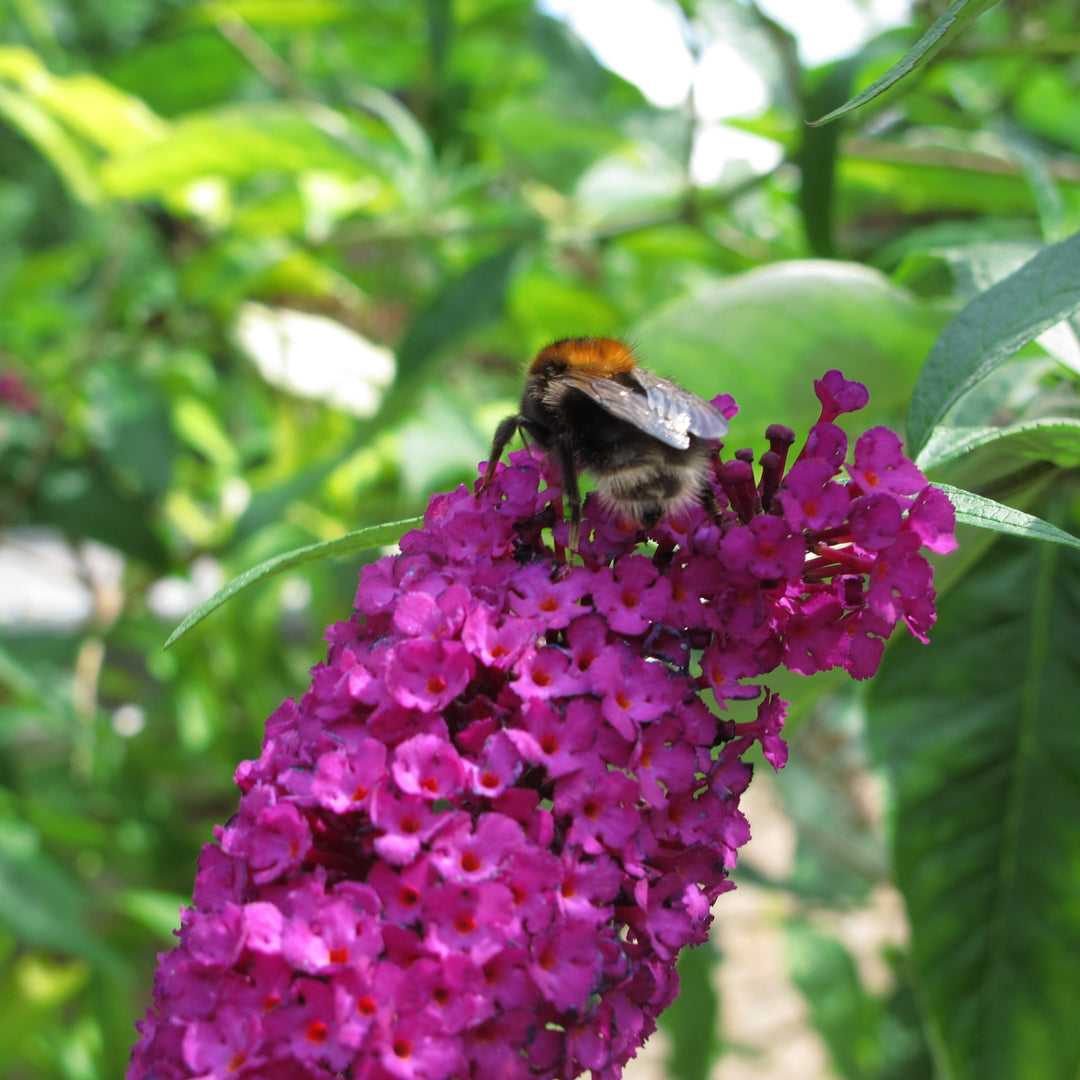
[666,411]
[669,400]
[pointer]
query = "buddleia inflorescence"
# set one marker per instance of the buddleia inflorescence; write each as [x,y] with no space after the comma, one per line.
[510,795]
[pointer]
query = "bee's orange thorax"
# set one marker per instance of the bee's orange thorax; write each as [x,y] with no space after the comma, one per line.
[587,355]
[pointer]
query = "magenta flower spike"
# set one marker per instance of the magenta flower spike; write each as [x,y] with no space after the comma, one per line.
[510,795]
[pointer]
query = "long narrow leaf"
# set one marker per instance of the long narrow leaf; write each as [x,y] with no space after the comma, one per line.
[972,509]
[990,329]
[1056,440]
[945,28]
[58,147]
[361,540]
[467,303]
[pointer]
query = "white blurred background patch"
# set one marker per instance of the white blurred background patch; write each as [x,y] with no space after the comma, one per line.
[50,585]
[313,356]
[648,43]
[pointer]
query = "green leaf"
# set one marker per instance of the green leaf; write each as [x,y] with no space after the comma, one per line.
[128,418]
[543,296]
[36,990]
[240,142]
[16,677]
[1057,441]
[946,27]
[211,65]
[86,105]
[1045,105]
[360,540]
[269,506]
[980,736]
[838,864]
[692,1021]
[905,1054]
[972,509]
[439,447]
[844,1014]
[96,110]
[158,912]
[291,13]
[40,901]
[955,177]
[90,501]
[468,302]
[726,336]
[990,329]
[65,155]
[817,158]
[200,427]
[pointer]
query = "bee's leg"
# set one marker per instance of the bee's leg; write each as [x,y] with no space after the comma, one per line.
[503,434]
[708,501]
[572,492]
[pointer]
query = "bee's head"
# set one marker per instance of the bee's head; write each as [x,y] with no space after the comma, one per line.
[599,356]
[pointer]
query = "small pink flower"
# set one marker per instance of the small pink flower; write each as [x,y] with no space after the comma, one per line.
[880,465]
[546,673]
[839,395]
[427,675]
[225,1046]
[405,823]
[633,597]
[469,854]
[811,499]
[428,766]
[566,962]
[345,781]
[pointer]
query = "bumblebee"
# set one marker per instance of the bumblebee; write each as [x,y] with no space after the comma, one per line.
[644,439]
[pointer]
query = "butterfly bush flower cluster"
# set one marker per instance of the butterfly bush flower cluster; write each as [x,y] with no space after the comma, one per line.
[510,795]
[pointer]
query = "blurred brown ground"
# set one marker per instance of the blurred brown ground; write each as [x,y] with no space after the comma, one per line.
[765,1021]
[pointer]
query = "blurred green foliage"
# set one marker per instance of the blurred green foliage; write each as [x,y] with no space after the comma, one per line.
[460,182]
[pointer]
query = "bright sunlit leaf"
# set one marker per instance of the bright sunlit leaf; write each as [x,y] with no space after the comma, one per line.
[990,329]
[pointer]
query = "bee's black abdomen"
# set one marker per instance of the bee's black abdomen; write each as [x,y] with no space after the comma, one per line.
[660,481]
